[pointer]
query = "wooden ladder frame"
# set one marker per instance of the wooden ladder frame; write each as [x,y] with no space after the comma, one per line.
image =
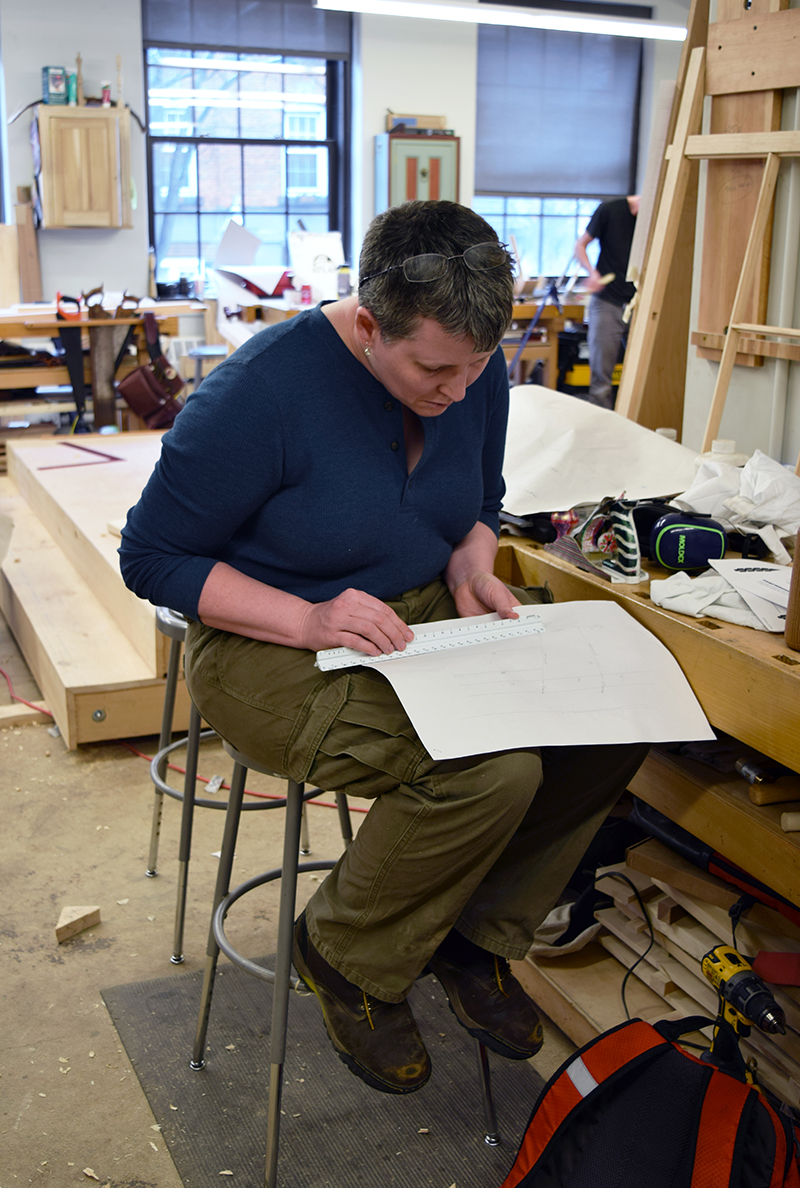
[742,62]
[772,146]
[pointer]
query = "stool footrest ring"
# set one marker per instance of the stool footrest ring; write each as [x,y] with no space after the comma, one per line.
[203,801]
[218,923]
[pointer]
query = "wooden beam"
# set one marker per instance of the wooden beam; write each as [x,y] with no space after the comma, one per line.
[65,506]
[9,264]
[759,52]
[740,145]
[30,273]
[18,714]
[732,187]
[665,236]
[756,347]
[776,331]
[93,680]
[751,837]
[741,302]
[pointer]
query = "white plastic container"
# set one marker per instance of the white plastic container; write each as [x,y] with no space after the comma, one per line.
[723,449]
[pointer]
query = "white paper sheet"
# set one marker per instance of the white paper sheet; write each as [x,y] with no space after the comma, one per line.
[594,675]
[562,451]
[762,585]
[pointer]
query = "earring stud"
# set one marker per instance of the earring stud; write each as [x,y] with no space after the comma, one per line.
[367,351]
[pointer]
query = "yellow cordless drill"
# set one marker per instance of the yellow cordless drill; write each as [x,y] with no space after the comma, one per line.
[745,997]
[744,1000]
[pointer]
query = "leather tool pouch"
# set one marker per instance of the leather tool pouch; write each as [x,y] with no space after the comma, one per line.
[152,391]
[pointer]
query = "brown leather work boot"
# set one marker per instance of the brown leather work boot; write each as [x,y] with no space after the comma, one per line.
[486,998]
[377,1040]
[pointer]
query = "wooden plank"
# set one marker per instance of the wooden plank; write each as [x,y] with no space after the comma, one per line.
[67,504]
[664,389]
[9,264]
[719,812]
[581,992]
[653,978]
[739,675]
[760,52]
[757,348]
[676,873]
[696,37]
[732,187]
[777,331]
[743,145]
[18,714]
[665,236]
[755,253]
[751,939]
[30,273]
[77,654]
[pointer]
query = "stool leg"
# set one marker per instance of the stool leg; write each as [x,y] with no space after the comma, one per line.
[232,815]
[345,823]
[492,1135]
[283,971]
[187,820]
[305,837]
[164,739]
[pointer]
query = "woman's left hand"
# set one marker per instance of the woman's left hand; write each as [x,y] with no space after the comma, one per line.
[481,593]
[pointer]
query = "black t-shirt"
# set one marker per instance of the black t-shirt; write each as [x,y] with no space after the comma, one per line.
[612,224]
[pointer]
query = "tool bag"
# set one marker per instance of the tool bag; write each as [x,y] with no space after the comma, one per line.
[633,1110]
[151,390]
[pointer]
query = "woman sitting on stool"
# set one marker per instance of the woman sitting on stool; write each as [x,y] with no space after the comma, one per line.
[334,480]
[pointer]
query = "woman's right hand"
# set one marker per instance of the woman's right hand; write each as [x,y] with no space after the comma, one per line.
[353,619]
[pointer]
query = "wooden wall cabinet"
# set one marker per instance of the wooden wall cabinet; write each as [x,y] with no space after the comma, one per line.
[85,166]
[409,167]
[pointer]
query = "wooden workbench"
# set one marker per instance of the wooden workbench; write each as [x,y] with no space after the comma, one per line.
[552,322]
[748,684]
[39,321]
[255,317]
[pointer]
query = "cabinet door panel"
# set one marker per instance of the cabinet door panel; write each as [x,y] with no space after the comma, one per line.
[85,173]
[86,178]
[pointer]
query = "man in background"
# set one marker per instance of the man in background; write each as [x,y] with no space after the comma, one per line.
[612,224]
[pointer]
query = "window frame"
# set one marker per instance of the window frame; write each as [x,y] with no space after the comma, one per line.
[336,141]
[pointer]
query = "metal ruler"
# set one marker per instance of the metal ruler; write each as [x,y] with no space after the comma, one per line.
[430,638]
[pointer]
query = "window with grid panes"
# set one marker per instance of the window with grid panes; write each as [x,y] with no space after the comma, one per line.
[543,229]
[243,136]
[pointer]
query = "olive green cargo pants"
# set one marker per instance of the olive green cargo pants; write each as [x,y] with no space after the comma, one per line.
[486,843]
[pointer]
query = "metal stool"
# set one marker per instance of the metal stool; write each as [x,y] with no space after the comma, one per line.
[281,977]
[173,624]
[200,354]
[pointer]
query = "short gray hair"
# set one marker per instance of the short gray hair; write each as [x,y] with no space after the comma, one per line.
[466,304]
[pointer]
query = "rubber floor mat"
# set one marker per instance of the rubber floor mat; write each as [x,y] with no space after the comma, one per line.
[336,1132]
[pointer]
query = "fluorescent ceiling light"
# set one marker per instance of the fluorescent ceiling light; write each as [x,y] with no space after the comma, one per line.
[523,18]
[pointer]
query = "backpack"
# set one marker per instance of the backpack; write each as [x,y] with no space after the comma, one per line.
[633,1110]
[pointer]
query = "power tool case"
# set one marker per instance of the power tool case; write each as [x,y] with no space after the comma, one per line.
[633,1110]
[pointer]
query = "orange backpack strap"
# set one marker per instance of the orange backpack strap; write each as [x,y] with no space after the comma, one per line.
[723,1104]
[592,1065]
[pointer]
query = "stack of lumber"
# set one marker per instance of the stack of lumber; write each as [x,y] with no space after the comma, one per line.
[688,912]
[92,646]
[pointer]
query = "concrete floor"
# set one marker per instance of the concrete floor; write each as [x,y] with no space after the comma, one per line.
[76,828]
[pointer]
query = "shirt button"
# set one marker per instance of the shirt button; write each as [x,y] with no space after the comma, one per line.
[395,445]
[389,405]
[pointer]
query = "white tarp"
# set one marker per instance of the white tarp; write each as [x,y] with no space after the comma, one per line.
[562,451]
